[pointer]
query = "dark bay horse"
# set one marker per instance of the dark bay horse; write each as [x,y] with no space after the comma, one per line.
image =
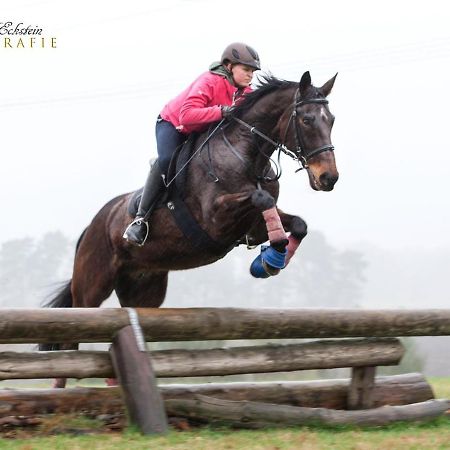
[279,115]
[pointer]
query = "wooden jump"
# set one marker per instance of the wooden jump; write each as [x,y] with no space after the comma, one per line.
[358,400]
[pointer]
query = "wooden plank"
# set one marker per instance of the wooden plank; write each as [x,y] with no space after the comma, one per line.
[247,414]
[361,390]
[324,354]
[134,371]
[181,324]
[333,394]
[389,390]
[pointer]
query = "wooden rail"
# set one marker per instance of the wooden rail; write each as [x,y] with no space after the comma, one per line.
[389,390]
[184,324]
[219,361]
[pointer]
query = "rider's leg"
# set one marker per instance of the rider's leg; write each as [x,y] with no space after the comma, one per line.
[167,138]
[137,232]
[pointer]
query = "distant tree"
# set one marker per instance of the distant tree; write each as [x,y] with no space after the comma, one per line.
[326,276]
[319,275]
[29,268]
[412,361]
[14,272]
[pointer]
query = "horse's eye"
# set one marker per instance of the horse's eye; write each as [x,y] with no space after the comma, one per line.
[308,120]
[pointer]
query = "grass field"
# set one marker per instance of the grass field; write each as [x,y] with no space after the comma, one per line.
[434,435]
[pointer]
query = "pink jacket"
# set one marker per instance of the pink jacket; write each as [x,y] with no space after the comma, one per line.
[199,104]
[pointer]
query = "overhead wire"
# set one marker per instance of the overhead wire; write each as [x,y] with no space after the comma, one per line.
[360,60]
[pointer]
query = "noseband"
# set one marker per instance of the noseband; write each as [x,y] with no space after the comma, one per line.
[302,155]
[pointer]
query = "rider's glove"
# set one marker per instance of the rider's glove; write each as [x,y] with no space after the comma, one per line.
[227,111]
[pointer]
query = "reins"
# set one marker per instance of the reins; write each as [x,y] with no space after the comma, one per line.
[277,145]
[199,148]
[299,154]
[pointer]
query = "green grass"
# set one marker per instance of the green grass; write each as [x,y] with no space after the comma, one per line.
[441,387]
[433,435]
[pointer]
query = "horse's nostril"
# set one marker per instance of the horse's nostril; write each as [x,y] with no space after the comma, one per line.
[328,180]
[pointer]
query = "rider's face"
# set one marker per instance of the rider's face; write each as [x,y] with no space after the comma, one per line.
[242,74]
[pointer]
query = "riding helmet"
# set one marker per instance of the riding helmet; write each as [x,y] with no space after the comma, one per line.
[240,53]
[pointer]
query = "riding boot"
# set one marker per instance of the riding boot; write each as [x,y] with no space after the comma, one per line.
[137,232]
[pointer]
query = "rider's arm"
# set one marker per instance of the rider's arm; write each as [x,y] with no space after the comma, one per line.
[200,106]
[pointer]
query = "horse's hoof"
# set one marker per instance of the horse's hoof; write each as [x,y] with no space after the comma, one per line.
[268,263]
[59,383]
[257,269]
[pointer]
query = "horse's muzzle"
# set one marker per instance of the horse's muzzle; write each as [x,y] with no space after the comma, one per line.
[327,181]
[324,182]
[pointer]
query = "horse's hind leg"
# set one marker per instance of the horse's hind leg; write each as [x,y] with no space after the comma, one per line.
[145,289]
[86,294]
[91,284]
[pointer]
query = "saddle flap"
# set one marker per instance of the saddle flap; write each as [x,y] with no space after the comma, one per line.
[179,161]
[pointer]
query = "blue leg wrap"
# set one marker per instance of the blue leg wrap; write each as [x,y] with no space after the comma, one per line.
[268,257]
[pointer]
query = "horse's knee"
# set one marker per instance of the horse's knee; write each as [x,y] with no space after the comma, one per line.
[299,229]
[262,200]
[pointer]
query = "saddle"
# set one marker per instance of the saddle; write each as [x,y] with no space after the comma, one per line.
[173,199]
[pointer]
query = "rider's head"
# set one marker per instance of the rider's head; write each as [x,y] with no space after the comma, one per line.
[241,60]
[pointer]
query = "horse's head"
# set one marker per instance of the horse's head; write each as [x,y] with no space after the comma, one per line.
[307,127]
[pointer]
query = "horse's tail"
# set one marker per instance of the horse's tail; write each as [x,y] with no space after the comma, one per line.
[61,299]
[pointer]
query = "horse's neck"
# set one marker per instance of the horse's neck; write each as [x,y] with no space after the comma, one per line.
[265,118]
[237,154]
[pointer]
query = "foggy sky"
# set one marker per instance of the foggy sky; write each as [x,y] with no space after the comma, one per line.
[77,122]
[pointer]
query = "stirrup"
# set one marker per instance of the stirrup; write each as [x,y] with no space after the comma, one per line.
[137,221]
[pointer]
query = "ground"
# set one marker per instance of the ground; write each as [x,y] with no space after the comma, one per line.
[111,432]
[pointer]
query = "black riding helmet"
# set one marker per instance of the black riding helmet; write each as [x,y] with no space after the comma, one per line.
[240,53]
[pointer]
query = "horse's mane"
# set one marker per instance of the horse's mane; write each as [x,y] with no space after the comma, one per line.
[267,84]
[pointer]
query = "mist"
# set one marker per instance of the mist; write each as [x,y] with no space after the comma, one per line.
[77,129]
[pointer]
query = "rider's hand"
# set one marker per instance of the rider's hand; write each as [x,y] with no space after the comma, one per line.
[227,111]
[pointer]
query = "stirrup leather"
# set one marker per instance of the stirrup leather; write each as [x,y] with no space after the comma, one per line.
[138,221]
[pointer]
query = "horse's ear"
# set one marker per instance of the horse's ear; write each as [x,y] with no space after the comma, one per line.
[326,88]
[305,82]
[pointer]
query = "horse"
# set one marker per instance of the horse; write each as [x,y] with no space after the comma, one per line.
[236,204]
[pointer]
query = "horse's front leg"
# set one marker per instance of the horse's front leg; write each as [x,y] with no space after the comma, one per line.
[298,230]
[273,257]
[265,203]
[282,247]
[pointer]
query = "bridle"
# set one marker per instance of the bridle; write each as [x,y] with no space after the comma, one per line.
[299,154]
[299,142]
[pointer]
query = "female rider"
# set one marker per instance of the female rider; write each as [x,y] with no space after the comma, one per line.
[208,99]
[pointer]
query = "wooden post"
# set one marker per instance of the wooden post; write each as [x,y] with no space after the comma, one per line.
[360,394]
[137,379]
